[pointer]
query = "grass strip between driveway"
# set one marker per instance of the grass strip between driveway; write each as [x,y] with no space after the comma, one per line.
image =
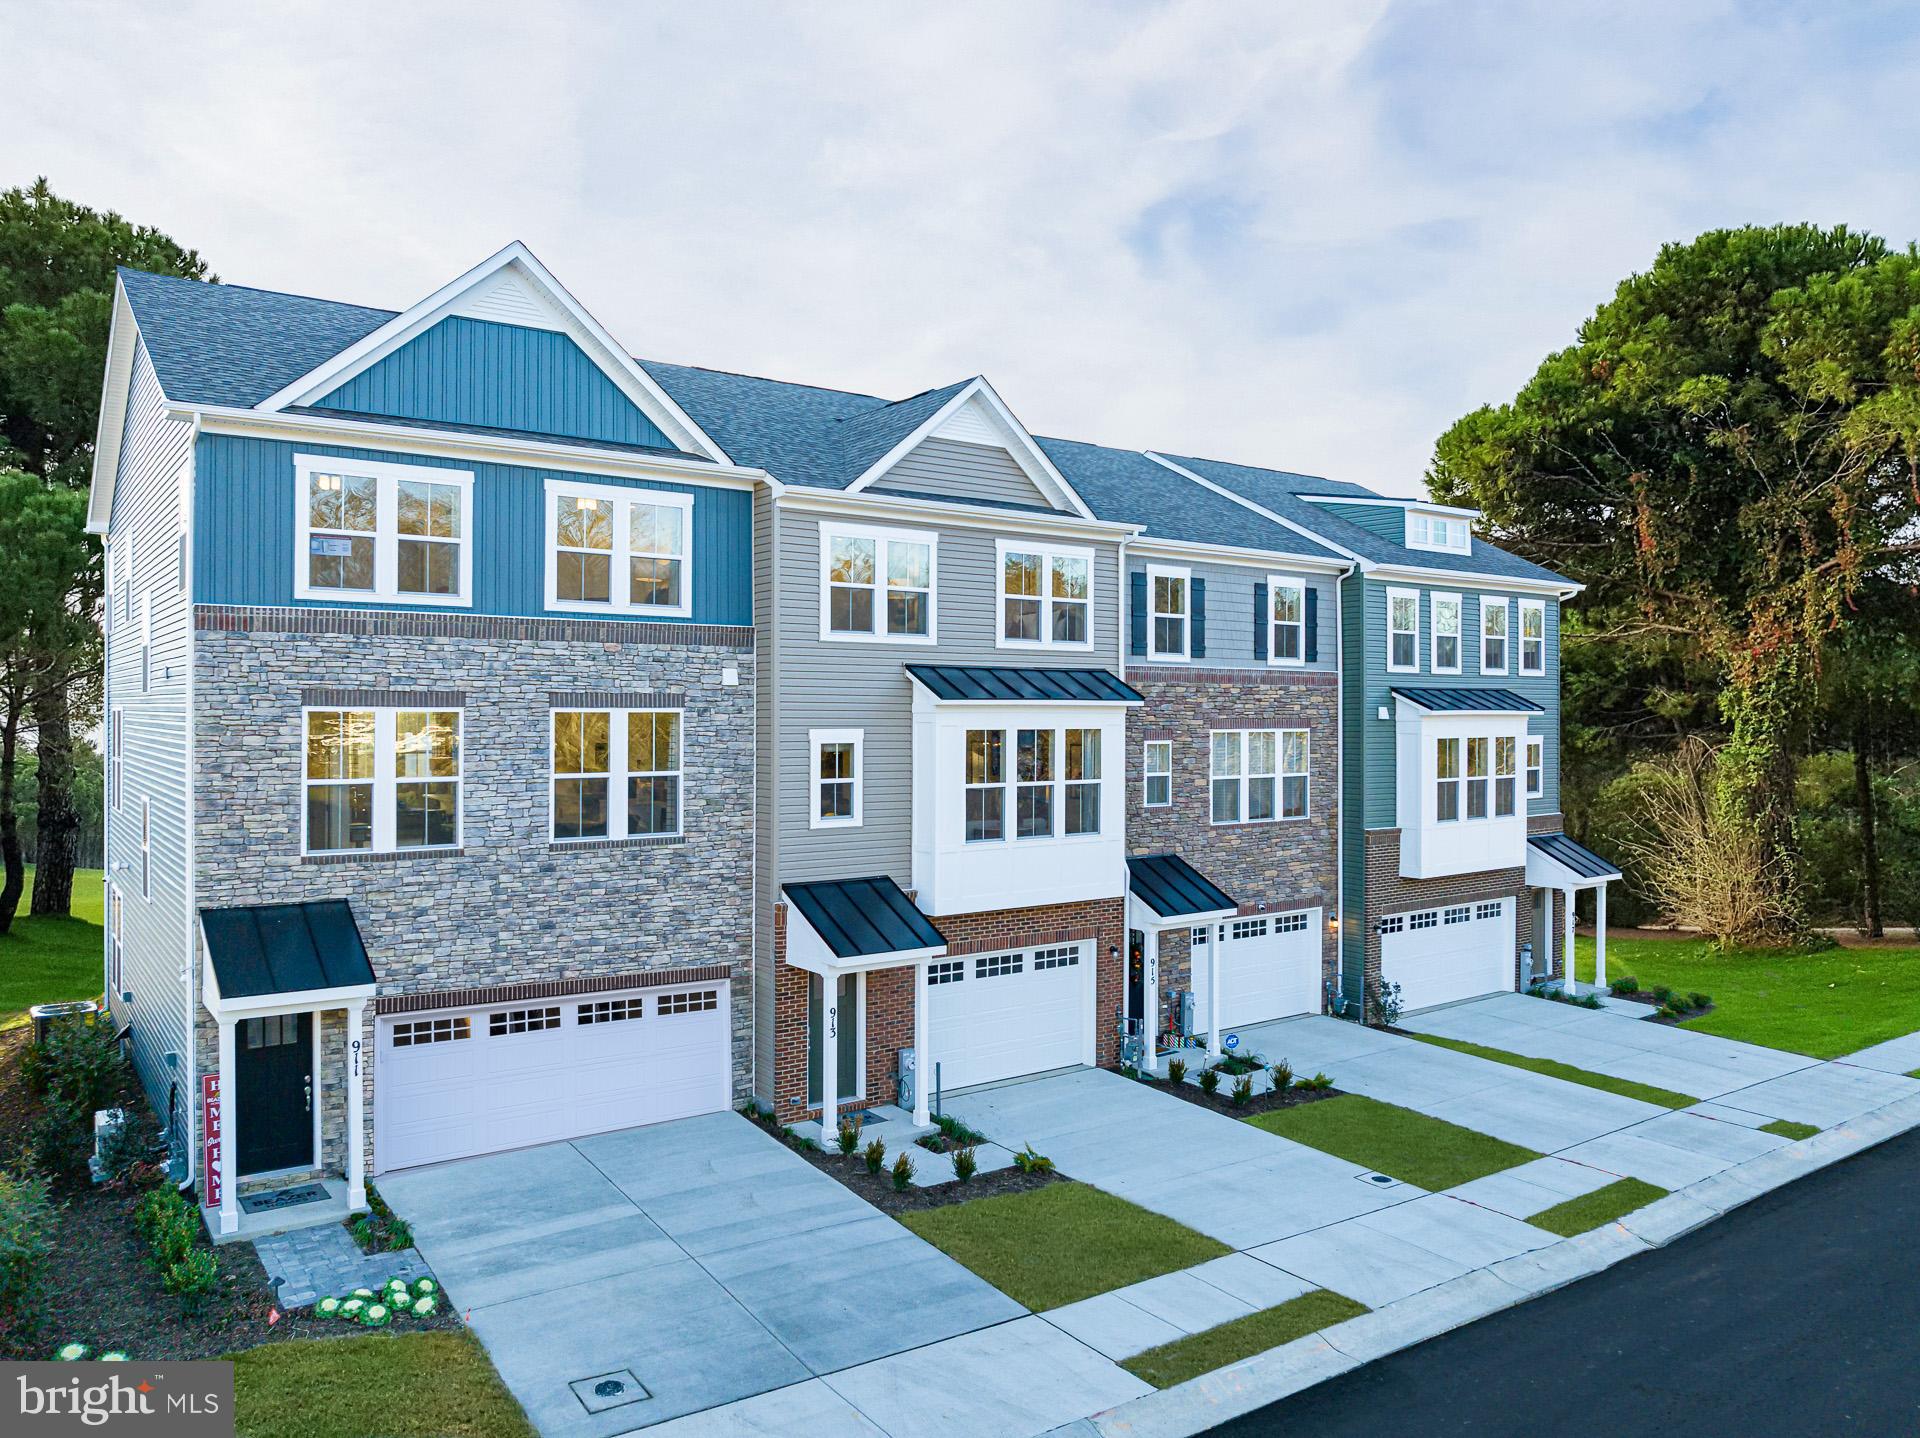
[399,1385]
[1602,1206]
[1787,1128]
[1408,1146]
[1061,1243]
[1199,1353]
[1553,1068]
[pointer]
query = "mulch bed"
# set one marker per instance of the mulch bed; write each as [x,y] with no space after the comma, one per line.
[102,1291]
[1259,1103]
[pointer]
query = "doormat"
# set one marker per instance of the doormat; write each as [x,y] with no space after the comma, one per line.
[274,1198]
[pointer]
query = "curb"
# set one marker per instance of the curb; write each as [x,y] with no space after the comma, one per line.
[1240,1388]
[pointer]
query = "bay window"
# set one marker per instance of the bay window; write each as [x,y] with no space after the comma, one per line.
[614,549]
[1476,778]
[1055,779]
[1493,635]
[1288,639]
[1046,595]
[876,584]
[382,780]
[1446,634]
[1157,769]
[986,785]
[1504,777]
[396,533]
[616,774]
[1167,592]
[1446,769]
[1258,775]
[1536,766]
[1033,790]
[1082,781]
[1533,636]
[1403,630]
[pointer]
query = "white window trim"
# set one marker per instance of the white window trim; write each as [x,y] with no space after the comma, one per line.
[1275,583]
[815,739]
[1279,776]
[116,756]
[617,775]
[1491,779]
[386,530]
[1426,519]
[1048,552]
[1414,595]
[1185,651]
[1519,636]
[882,537]
[1536,745]
[386,781]
[1459,632]
[146,643]
[146,849]
[1010,786]
[620,557]
[116,953]
[1147,771]
[1489,603]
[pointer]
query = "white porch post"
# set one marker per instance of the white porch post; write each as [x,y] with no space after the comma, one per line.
[229,1134]
[922,1060]
[1566,953]
[1547,940]
[829,1056]
[1600,935]
[1149,997]
[356,1103]
[1213,990]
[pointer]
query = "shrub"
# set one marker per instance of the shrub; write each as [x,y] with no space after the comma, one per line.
[1319,1083]
[965,1164]
[849,1137]
[79,1062]
[1282,1076]
[1383,999]
[1675,1007]
[26,1238]
[1699,1001]
[955,1131]
[1242,1091]
[167,1222]
[799,1140]
[1031,1162]
[875,1155]
[1176,1070]
[1623,984]
[380,1229]
[193,1275]
[63,1140]
[131,1154]
[1209,1081]
[1661,993]
[902,1172]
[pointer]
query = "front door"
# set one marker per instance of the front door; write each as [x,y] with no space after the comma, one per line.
[1136,979]
[273,1087]
[846,1039]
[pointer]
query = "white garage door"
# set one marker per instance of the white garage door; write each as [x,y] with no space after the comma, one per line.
[470,1081]
[1269,968]
[1458,951]
[997,1016]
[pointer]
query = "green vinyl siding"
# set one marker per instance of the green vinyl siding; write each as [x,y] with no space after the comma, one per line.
[1389,521]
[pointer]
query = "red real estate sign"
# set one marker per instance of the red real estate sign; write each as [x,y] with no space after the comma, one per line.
[210,1136]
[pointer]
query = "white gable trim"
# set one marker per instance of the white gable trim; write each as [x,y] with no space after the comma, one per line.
[1260,509]
[123,343]
[977,393]
[483,289]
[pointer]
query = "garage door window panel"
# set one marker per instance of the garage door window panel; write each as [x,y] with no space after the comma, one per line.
[699,1001]
[509,1022]
[432,1031]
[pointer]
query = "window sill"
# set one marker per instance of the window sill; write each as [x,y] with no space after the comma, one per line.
[383,856]
[621,611]
[1258,823]
[632,841]
[854,636]
[374,596]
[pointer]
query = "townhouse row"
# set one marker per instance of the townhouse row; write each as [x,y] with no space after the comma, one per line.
[509,739]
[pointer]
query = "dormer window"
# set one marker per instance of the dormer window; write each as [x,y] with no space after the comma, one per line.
[1427,530]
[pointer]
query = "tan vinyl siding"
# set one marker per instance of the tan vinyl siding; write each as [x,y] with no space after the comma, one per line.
[954,468]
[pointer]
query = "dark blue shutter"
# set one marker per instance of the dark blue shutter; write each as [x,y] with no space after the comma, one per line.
[1199,650]
[1261,618]
[1137,612]
[1313,625]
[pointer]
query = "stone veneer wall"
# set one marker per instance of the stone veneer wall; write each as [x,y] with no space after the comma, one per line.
[509,906]
[1267,868]
[889,1012]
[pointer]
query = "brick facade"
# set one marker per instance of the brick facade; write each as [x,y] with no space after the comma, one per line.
[1287,865]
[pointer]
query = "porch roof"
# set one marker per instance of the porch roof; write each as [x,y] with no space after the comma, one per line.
[1014,684]
[1174,889]
[1556,862]
[262,949]
[1466,699]
[862,918]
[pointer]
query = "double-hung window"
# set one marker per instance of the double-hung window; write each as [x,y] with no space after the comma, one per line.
[1258,775]
[382,780]
[397,533]
[1446,634]
[617,549]
[1504,777]
[1157,770]
[1167,612]
[616,774]
[1055,776]
[1476,778]
[1533,636]
[1536,766]
[877,584]
[1046,595]
[1446,782]
[1403,631]
[115,736]
[1287,598]
[836,777]
[1493,634]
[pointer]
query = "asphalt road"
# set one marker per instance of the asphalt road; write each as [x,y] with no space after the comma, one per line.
[1798,1315]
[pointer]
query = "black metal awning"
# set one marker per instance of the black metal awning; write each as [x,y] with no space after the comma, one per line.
[261,949]
[1574,857]
[1461,699]
[864,918]
[1013,684]
[1174,889]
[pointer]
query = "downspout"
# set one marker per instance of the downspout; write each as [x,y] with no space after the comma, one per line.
[195,1141]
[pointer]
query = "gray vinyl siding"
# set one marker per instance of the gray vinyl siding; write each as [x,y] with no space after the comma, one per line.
[765,846]
[147,518]
[1230,623]
[1353,786]
[828,684]
[954,468]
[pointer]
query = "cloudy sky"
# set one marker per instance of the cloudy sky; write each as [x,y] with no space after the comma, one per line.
[1301,235]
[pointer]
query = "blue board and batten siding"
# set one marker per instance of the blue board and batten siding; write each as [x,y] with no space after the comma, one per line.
[468,371]
[244,497]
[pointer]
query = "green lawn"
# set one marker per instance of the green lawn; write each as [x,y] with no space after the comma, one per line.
[1061,1243]
[397,1385]
[1627,1088]
[1822,1005]
[1787,1128]
[43,961]
[1602,1206]
[1199,1353]
[1397,1141]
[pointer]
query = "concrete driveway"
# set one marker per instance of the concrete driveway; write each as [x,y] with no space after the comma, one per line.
[700,1260]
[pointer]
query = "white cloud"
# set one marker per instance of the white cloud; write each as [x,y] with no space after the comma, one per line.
[1307,236]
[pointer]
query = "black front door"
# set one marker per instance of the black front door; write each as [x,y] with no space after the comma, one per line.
[273,1087]
[1136,976]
